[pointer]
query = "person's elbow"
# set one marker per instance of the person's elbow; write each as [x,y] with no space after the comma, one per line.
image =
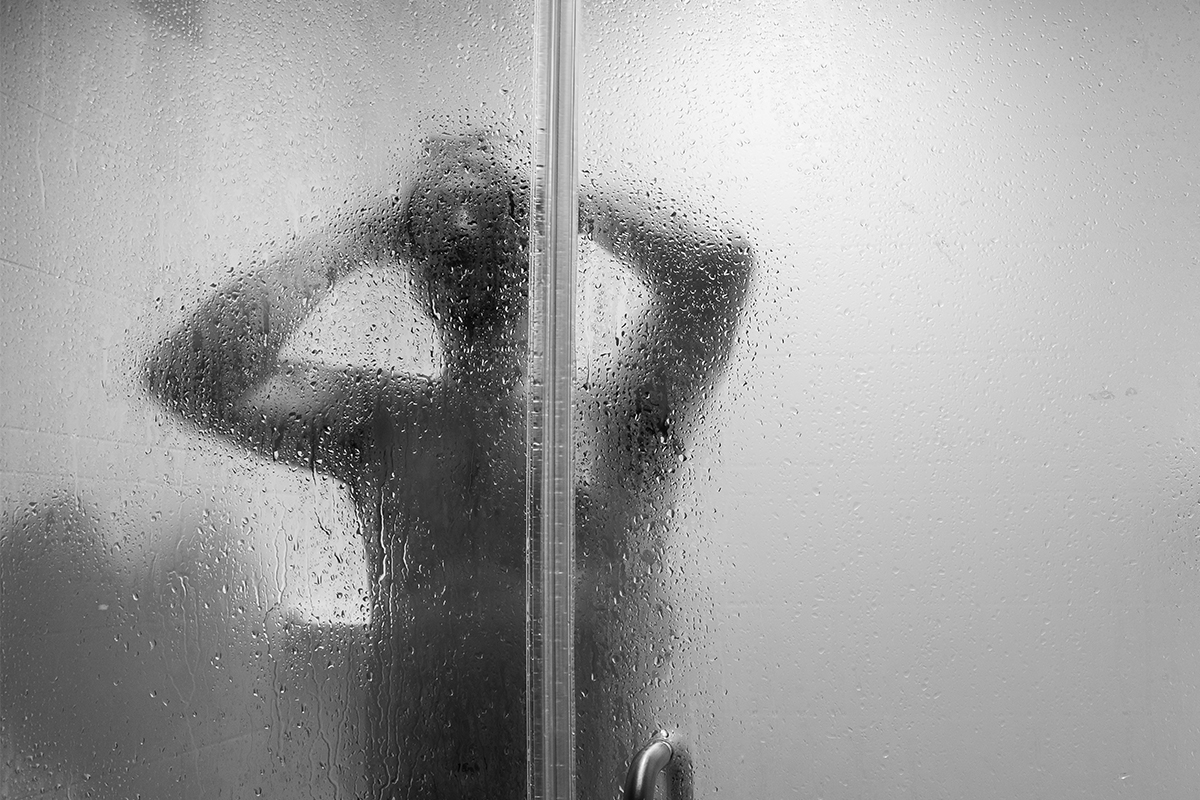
[728,265]
[161,372]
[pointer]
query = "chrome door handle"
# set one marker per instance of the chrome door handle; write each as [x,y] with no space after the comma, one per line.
[645,766]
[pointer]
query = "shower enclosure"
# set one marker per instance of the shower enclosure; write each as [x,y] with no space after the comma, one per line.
[851,440]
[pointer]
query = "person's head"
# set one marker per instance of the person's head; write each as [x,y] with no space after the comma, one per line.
[466,222]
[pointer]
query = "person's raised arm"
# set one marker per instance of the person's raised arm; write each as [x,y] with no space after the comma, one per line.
[698,271]
[219,369]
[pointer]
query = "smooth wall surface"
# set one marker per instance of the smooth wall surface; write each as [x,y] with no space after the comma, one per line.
[939,539]
[180,618]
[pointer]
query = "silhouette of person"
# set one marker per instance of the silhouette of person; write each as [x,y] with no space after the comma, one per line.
[437,466]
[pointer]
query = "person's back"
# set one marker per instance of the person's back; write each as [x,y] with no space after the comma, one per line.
[436,467]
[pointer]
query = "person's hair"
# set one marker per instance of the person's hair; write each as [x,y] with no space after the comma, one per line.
[466,225]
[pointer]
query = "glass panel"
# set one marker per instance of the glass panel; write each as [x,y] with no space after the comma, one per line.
[262,489]
[925,524]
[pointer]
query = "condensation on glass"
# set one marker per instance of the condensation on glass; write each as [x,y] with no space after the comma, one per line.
[665,274]
[262,500]
[934,533]
[887,423]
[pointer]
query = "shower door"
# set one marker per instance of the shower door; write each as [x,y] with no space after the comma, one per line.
[930,530]
[185,604]
[895,498]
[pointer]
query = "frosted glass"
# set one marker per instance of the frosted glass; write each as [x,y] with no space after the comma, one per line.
[933,532]
[261,528]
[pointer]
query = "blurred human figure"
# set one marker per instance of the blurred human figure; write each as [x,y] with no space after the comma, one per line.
[437,466]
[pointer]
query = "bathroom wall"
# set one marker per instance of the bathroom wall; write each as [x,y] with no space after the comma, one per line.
[939,538]
[179,618]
